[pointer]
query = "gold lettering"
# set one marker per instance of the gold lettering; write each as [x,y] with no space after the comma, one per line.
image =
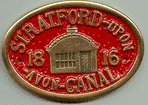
[103,79]
[47,83]
[83,16]
[94,82]
[55,85]
[60,17]
[30,59]
[105,57]
[94,18]
[26,71]
[21,38]
[110,75]
[17,48]
[128,46]
[67,85]
[42,24]
[124,38]
[38,78]
[28,31]
[113,56]
[111,28]
[50,18]
[39,58]
[30,76]
[69,17]
[81,85]
[120,31]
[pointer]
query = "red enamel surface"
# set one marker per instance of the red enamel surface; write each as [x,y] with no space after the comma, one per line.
[99,35]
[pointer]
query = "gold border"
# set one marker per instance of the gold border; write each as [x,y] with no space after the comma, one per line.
[68,97]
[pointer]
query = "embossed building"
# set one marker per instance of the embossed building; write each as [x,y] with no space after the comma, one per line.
[72,53]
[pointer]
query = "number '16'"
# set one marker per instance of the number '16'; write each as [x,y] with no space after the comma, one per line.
[111,57]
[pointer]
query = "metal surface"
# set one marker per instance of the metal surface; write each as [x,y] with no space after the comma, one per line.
[72,97]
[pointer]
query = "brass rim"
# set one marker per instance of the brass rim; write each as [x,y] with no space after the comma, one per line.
[69,97]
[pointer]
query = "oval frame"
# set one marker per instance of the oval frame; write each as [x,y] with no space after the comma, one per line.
[69,97]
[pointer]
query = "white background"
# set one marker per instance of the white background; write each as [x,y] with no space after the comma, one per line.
[134,92]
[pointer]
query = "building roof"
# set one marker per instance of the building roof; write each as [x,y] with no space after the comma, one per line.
[71,43]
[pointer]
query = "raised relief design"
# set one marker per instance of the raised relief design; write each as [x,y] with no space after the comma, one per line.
[72,53]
